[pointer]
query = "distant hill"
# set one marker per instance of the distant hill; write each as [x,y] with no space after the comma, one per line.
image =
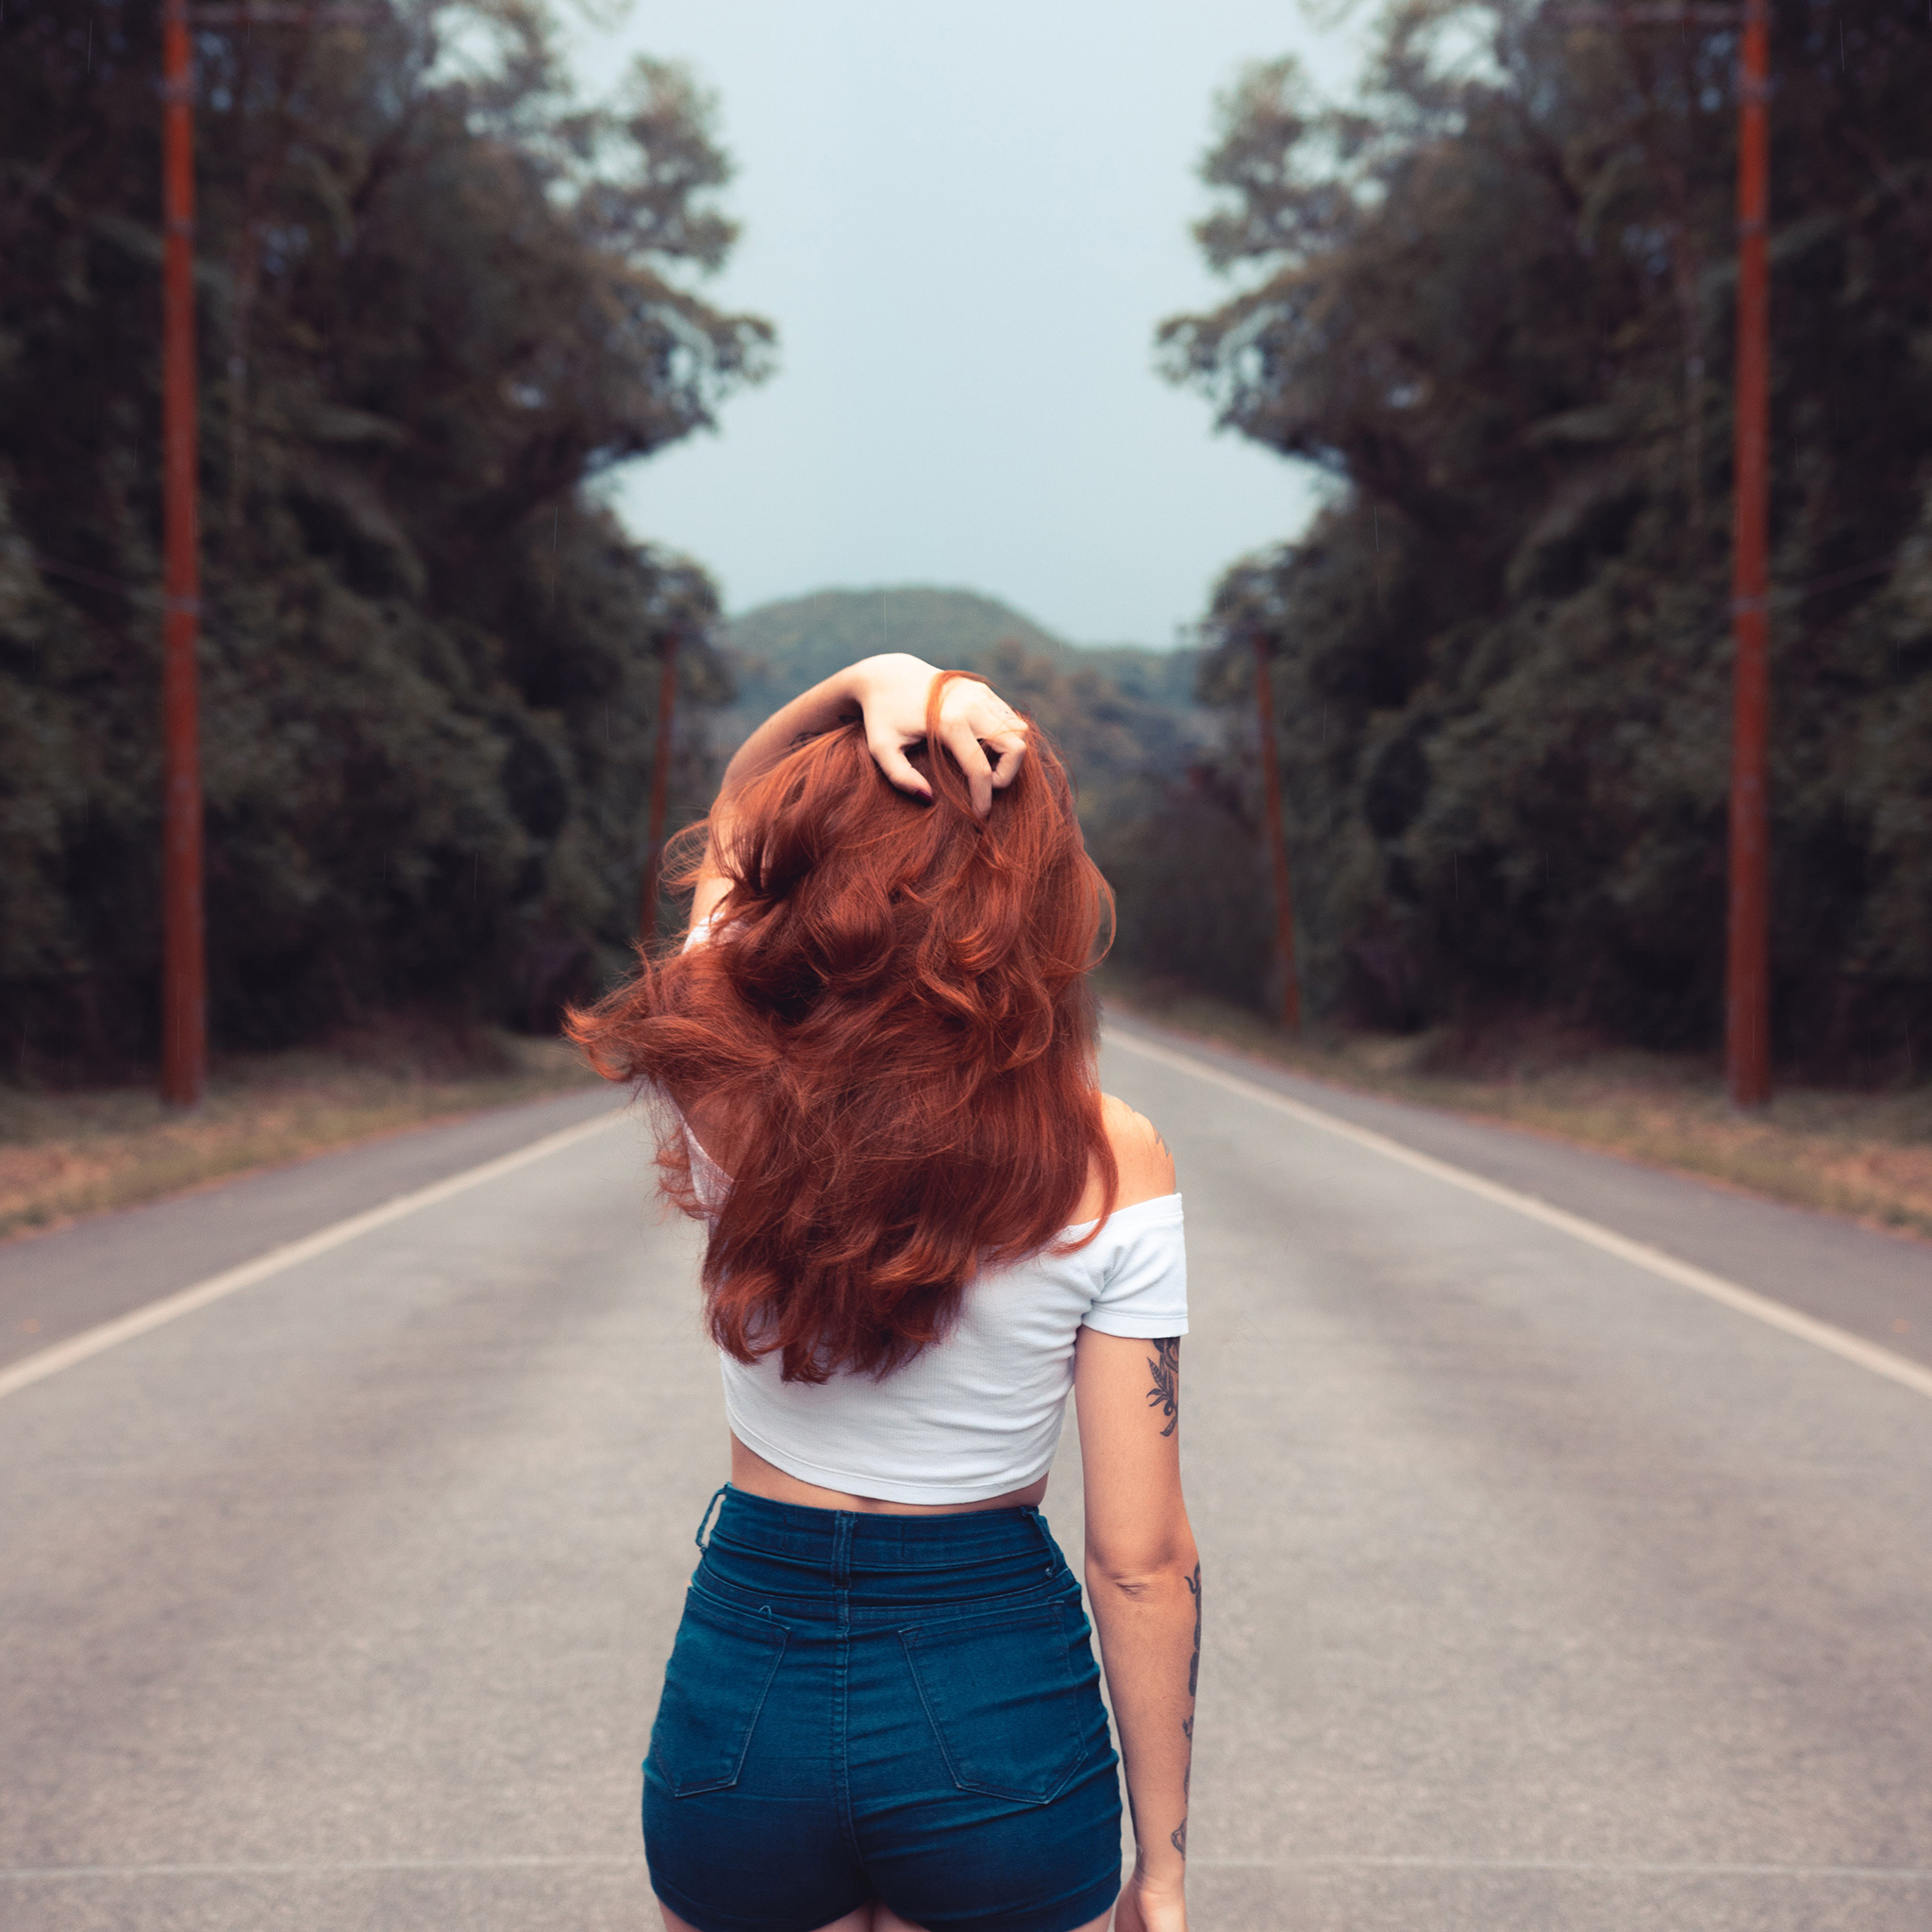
[781,649]
[784,648]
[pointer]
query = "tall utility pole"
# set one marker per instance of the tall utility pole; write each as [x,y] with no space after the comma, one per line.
[1277,839]
[184,969]
[1747,991]
[660,778]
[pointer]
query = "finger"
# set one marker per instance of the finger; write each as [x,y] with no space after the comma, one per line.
[1013,753]
[965,747]
[891,759]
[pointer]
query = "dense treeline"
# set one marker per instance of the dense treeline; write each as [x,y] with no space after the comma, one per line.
[438,295]
[1494,303]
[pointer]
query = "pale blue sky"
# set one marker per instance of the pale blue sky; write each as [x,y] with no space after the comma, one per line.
[966,221]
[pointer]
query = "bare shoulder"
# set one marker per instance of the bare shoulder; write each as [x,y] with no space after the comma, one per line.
[1146,1168]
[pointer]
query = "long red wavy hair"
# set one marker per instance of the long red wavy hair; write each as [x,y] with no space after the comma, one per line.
[892,1013]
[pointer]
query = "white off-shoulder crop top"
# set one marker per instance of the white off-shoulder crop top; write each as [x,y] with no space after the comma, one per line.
[979,1414]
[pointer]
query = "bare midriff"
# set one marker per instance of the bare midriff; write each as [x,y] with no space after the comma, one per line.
[751,1472]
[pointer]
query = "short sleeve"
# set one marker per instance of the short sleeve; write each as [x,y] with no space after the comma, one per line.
[1144,1272]
[709,1181]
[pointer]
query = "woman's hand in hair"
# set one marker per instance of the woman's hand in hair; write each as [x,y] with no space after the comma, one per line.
[892,690]
[889,693]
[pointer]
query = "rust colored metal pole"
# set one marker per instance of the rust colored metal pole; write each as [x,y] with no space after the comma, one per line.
[660,778]
[1277,840]
[184,987]
[1747,1002]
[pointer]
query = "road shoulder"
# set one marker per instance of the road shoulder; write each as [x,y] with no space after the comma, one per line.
[56,1285]
[1874,1285]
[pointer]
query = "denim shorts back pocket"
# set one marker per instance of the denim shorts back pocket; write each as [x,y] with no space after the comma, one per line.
[1004,1699]
[715,1685]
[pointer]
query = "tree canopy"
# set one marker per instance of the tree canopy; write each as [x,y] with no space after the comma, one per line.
[1493,302]
[439,296]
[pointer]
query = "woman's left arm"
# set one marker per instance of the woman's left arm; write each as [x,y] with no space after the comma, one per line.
[888,693]
[1143,1586]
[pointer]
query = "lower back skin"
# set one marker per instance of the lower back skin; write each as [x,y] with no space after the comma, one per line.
[752,1474]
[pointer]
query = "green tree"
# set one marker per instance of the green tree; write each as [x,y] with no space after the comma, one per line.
[1493,302]
[439,295]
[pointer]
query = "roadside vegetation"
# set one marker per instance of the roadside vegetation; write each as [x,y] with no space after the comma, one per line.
[1493,300]
[1857,1153]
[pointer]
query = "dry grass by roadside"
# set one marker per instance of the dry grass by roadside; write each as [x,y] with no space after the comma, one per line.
[63,1154]
[1865,1155]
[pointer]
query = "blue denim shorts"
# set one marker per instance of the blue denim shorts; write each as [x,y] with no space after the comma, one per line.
[895,1707]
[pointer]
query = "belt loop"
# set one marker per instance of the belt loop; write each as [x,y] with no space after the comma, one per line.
[1039,1521]
[703,1539]
[841,1550]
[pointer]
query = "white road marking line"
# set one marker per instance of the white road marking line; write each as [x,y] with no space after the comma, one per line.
[321,1867]
[1838,1341]
[93,1342]
[1608,1867]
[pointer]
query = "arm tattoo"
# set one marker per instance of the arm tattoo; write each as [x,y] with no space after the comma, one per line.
[1193,1584]
[1165,1367]
[1180,1834]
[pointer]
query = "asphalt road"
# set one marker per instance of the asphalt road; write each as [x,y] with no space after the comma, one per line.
[1543,1591]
